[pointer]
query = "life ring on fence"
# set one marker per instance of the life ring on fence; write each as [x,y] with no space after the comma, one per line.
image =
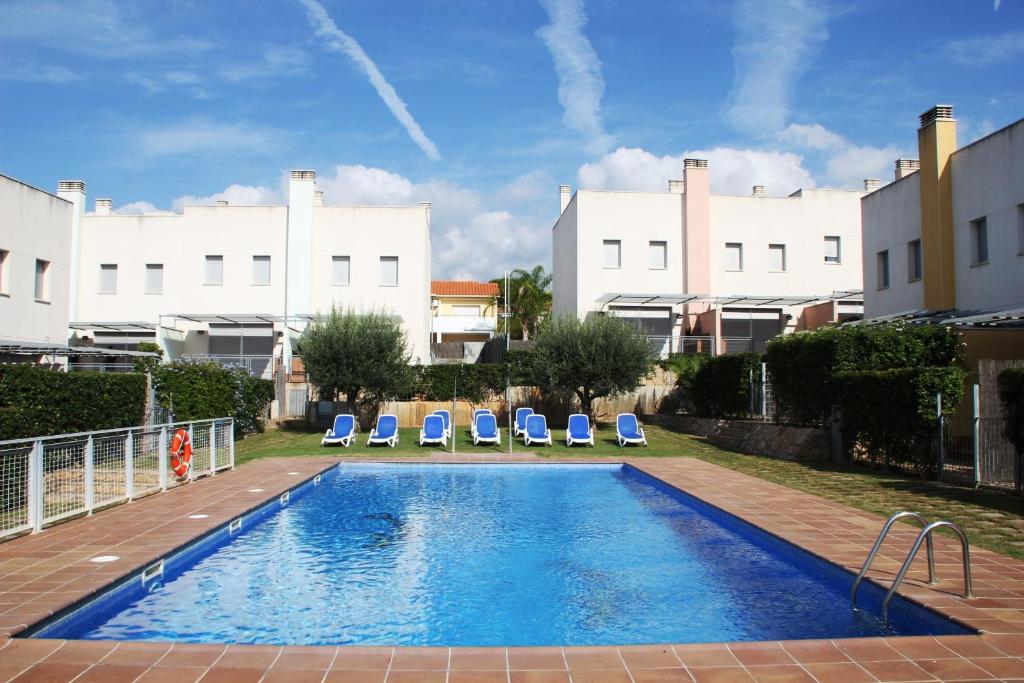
[181,453]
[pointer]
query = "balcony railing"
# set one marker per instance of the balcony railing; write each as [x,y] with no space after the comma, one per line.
[466,324]
[664,346]
[257,366]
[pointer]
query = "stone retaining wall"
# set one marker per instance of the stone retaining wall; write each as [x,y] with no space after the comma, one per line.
[752,436]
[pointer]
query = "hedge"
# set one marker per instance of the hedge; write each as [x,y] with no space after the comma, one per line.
[721,385]
[802,366]
[35,401]
[891,414]
[476,382]
[1011,393]
[202,391]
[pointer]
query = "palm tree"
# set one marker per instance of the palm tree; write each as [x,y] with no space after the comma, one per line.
[529,293]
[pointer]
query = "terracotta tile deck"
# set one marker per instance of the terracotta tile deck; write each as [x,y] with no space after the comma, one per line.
[45,573]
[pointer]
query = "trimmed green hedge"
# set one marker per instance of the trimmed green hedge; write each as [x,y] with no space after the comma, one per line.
[891,414]
[202,391]
[475,382]
[1011,393]
[721,385]
[802,366]
[35,401]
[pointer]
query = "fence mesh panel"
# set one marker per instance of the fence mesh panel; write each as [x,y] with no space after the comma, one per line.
[225,435]
[63,482]
[146,461]
[200,449]
[958,447]
[997,456]
[108,472]
[14,466]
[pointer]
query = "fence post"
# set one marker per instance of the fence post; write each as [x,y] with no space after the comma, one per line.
[751,380]
[942,435]
[191,465]
[764,391]
[976,432]
[35,487]
[213,447]
[89,474]
[231,440]
[162,457]
[129,464]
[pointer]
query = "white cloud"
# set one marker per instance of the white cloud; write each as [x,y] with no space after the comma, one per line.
[986,50]
[201,136]
[239,195]
[528,187]
[968,129]
[846,164]
[814,136]
[340,41]
[776,42]
[580,83]
[141,209]
[277,60]
[27,72]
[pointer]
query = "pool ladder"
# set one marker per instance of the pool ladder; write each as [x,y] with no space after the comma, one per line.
[924,537]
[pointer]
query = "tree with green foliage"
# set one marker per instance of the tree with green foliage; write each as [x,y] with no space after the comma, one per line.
[204,391]
[529,298]
[593,358]
[361,356]
[145,364]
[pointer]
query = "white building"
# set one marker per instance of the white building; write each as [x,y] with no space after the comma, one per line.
[731,271]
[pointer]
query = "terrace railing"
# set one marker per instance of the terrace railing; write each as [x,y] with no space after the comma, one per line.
[664,346]
[257,366]
[46,480]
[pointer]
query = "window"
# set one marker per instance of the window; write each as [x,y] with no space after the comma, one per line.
[979,242]
[733,256]
[389,271]
[214,271]
[341,270]
[883,269]
[42,280]
[833,253]
[658,255]
[777,258]
[466,310]
[154,278]
[261,270]
[914,265]
[612,254]
[108,278]
[3,270]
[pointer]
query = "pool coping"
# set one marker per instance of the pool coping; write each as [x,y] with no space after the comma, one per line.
[44,573]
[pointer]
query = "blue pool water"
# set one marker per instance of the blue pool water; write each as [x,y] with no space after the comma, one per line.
[492,555]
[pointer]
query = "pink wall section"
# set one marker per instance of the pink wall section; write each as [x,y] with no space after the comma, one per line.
[696,201]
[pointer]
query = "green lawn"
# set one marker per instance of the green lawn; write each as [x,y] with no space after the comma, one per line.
[992,520]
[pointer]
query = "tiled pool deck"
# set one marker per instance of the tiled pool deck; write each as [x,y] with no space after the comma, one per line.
[44,573]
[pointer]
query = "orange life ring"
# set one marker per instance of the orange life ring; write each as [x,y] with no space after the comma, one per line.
[181,453]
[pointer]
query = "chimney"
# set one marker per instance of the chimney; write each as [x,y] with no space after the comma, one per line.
[299,249]
[564,194]
[758,191]
[222,202]
[936,142]
[318,198]
[73,191]
[905,167]
[677,186]
[426,209]
[104,207]
[696,227]
[872,184]
[694,163]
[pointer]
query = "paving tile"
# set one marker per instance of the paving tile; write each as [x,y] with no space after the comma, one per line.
[81,652]
[417,677]
[813,651]
[753,654]
[548,658]
[187,654]
[355,677]
[477,659]
[780,673]
[363,658]
[295,676]
[720,674]
[538,677]
[51,672]
[137,654]
[1001,667]
[663,675]
[584,658]
[894,671]
[839,672]
[104,673]
[478,676]
[230,675]
[706,655]
[952,669]
[649,657]
[248,657]
[300,657]
[420,659]
[172,674]
[601,676]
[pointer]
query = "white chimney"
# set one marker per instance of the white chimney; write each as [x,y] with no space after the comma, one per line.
[426,209]
[104,207]
[74,192]
[871,184]
[318,198]
[905,167]
[564,194]
[222,202]
[677,186]
[757,191]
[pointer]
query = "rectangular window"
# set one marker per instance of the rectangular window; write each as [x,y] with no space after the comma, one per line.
[3,271]
[261,270]
[833,249]
[883,269]
[341,270]
[979,242]
[777,258]
[108,278]
[658,255]
[612,254]
[466,310]
[214,271]
[42,289]
[914,263]
[154,278]
[389,271]
[733,256]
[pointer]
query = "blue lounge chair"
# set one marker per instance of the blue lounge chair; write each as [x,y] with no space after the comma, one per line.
[579,431]
[343,431]
[486,430]
[447,417]
[476,414]
[520,424]
[385,432]
[537,430]
[433,431]
[628,430]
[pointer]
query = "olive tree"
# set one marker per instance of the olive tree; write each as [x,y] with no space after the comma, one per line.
[592,358]
[361,356]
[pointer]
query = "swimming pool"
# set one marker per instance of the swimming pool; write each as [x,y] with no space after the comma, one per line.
[466,555]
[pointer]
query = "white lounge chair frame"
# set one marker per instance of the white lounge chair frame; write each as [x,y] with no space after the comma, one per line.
[345,441]
[443,439]
[477,413]
[390,441]
[477,439]
[527,439]
[589,441]
[516,431]
[450,429]
[623,440]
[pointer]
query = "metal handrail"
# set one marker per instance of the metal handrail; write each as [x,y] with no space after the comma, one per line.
[926,533]
[878,546]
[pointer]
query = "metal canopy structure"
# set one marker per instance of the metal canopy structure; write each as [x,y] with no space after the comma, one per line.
[36,349]
[113,326]
[228,318]
[1010,318]
[740,300]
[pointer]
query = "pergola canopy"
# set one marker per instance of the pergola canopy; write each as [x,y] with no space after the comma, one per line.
[42,349]
[741,300]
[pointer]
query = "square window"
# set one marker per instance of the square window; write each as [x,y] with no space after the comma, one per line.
[108,278]
[341,270]
[612,254]
[777,258]
[42,283]
[833,249]
[914,263]
[214,271]
[154,278]
[261,270]
[658,259]
[979,242]
[883,269]
[3,270]
[733,256]
[389,271]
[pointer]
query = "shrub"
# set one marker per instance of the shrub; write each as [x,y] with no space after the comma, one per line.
[145,364]
[1011,393]
[203,391]
[475,382]
[35,401]
[686,366]
[721,385]
[891,414]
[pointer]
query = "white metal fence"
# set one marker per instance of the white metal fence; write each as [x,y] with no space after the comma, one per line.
[48,479]
[664,346]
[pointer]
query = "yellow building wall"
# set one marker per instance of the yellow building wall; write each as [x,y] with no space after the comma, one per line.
[447,304]
[936,142]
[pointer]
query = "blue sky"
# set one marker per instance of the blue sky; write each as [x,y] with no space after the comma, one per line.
[483,108]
